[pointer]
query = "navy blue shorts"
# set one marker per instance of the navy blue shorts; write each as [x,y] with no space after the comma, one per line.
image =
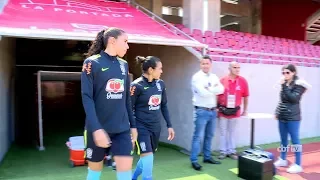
[147,141]
[121,146]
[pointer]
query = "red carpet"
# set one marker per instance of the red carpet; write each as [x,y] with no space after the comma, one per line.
[310,163]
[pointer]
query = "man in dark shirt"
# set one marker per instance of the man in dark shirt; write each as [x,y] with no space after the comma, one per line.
[149,100]
[105,87]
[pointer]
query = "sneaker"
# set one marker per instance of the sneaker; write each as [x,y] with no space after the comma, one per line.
[108,163]
[294,169]
[114,167]
[222,156]
[233,156]
[281,163]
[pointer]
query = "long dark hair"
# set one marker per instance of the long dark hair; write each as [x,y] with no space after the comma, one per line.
[101,40]
[293,69]
[147,62]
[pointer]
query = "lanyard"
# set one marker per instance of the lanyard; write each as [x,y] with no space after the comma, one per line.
[231,99]
[228,89]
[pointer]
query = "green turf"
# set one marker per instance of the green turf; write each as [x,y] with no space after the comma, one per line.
[52,164]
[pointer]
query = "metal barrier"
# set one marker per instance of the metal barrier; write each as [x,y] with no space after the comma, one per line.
[260,53]
[263,59]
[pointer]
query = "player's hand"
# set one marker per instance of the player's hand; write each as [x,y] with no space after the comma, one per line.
[134,135]
[171,134]
[275,117]
[101,138]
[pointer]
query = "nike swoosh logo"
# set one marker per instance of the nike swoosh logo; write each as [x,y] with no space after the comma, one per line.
[146,88]
[104,69]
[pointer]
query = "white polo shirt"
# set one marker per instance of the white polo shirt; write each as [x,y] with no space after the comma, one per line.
[205,88]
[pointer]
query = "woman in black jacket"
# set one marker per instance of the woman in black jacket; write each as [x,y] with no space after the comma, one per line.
[288,114]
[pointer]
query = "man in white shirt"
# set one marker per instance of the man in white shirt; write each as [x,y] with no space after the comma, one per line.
[205,87]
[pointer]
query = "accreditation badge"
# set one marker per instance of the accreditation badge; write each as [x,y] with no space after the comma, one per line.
[231,101]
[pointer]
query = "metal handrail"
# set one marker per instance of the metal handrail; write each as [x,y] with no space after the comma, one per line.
[259,59]
[260,53]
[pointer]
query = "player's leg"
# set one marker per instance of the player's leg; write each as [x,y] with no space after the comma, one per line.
[121,150]
[109,160]
[144,149]
[148,157]
[95,156]
[137,172]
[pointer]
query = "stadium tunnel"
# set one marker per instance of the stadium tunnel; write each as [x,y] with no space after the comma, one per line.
[43,61]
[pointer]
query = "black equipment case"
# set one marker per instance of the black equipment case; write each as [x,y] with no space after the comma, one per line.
[254,163]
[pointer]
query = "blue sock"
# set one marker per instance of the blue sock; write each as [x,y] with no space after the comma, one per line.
[93,175]
[124,175]
[138,170]
[147,163]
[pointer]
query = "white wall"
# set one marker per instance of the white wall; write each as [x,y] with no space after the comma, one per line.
[179,65]
[7,53]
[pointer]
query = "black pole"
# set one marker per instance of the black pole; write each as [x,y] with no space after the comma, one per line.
[252,134]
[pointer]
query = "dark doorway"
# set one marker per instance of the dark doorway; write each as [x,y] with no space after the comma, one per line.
[63,113]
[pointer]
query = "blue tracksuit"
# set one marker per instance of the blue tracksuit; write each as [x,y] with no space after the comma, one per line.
[149,102]
[106,99]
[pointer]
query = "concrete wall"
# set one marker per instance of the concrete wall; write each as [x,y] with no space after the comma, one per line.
[179,65]
[194,13]
[154,5]
[172,19]
[6,88]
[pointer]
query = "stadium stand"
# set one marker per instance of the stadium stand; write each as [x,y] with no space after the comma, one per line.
[253,48]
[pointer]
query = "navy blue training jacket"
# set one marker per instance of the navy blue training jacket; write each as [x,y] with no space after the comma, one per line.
[149,102]
[105,87]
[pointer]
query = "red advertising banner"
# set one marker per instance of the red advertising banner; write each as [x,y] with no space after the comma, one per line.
[81,19]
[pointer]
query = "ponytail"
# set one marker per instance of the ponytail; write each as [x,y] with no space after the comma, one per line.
[97,45]
[101,41]
[147,62]
[140,59]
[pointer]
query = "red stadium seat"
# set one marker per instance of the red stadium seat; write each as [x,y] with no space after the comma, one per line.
[208,34]
[197,32]
[246,43]
[186,30]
